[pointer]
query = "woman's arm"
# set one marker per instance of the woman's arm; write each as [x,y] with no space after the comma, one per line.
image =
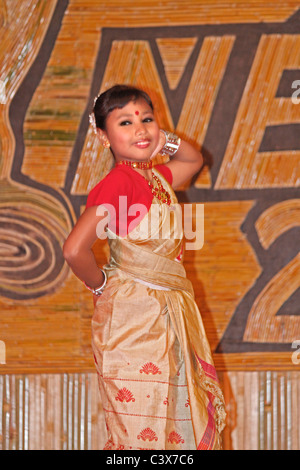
[186,162]
[77,249]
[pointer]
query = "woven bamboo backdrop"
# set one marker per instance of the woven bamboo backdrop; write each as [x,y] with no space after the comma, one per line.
[223,75]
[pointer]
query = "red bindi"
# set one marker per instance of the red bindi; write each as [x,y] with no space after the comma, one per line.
[137,113]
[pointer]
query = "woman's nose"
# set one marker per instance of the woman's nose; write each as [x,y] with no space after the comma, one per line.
[140,128]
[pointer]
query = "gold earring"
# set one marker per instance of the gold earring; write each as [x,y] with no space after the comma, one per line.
[104,141]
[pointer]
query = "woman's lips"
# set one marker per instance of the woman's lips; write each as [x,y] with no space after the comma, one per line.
[142,144]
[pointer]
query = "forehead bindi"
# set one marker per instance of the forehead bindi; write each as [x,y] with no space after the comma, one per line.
[138,108]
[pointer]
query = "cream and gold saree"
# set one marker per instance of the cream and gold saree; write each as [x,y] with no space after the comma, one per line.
[157,380]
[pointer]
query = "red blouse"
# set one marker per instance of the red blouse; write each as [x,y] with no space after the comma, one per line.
[125,193]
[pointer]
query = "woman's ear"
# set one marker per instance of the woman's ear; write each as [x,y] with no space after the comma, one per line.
[103,138]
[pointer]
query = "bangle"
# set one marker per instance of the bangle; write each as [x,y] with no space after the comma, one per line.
[172,143]
[99,290]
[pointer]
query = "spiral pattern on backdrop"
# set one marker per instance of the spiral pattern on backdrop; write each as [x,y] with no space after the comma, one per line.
[31,259]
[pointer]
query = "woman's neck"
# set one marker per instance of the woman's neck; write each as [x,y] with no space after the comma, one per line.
[144,168]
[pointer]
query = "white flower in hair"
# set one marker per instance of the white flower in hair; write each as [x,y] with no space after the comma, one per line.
[93,122]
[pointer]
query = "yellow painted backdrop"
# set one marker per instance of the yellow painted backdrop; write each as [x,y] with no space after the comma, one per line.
[224,76]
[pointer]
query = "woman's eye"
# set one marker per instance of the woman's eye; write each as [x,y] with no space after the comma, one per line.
[125,123]
[148,119]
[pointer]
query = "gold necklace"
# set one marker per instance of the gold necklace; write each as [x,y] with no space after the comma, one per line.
[140,165]
[159,192]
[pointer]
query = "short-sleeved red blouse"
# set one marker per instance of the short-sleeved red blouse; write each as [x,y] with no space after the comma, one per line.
[125,193]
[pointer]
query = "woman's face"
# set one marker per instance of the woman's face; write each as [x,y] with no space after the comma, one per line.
[132,131]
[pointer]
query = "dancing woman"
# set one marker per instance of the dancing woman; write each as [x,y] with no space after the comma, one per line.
[157,380]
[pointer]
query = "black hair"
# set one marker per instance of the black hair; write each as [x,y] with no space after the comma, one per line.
[116,98]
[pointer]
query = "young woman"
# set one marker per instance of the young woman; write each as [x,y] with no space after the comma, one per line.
[157,380]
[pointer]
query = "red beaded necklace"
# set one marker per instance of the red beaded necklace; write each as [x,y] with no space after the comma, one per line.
[158,191]
[140,165]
